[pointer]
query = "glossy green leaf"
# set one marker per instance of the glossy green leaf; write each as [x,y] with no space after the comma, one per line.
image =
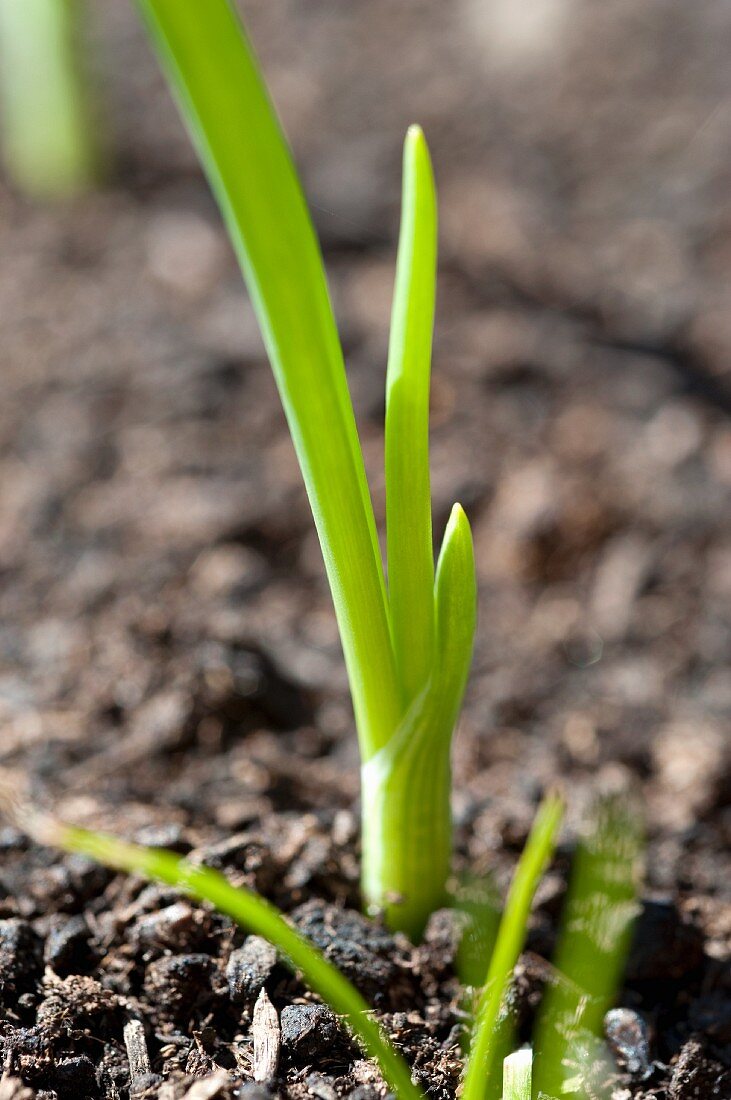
[223,99]
[256,915]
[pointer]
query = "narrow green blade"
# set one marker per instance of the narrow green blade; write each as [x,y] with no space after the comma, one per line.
[481,1077]
[257,915]
[222,97]
[594,938]
[408,498]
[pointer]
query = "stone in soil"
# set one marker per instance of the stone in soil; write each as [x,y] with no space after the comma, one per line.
[20,958]
[363,951]
[178,927]
[68,949]
[180,985]
[248,968]
[310,1032]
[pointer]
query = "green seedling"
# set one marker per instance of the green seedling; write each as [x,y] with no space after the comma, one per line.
[489,1040]
[257,915]
[407,646]
[48,134]
[594,938]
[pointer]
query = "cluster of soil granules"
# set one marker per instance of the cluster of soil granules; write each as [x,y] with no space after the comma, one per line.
[169,663]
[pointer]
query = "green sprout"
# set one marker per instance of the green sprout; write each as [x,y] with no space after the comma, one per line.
[594,938]
[48,134]
[517,1075]
[489,1040]
[407,647]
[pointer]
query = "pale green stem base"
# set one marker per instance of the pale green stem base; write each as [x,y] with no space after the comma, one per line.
[407,832]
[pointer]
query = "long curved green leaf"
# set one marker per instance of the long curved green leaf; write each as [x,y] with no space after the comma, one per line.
[222,97]
[257,915]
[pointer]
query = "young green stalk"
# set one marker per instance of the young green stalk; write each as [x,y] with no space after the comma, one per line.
[594,938]
[407,653]
[49,147]
[407,824]
[410,554]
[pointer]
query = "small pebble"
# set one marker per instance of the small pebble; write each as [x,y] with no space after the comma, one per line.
[254,1090]
[20,956]
[249,967]
[308,1030]
[627,1036]
[177,926]
[145,1083]
[67,949]
[321,1086]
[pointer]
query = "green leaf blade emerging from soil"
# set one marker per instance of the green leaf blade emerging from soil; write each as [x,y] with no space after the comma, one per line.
[408,496]
[224,101]
[256,915]
[406,786]
[407,653]
[482,1077]
[595,934]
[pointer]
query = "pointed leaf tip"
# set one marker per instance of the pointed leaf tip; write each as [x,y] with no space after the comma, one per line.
[458,534]
[416,151]
[455,593]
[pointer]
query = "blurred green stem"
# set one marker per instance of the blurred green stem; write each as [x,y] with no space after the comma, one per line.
[49,146]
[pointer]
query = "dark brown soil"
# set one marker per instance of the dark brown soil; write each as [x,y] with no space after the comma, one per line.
[169,661]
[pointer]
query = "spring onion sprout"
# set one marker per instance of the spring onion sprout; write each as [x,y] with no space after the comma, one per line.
[407,646]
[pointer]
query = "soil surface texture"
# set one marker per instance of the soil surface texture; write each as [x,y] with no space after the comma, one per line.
[169,661]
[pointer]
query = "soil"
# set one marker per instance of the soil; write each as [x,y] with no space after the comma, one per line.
[170,666]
